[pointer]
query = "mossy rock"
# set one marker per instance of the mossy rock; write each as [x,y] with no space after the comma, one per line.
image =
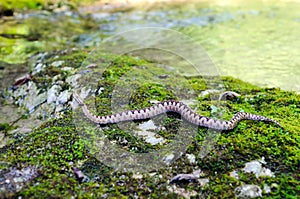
[56,147]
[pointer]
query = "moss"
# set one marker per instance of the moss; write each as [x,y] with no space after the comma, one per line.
[14,4]
[5,127]
[57,144]
[53,147]
[251,140]
[44,78]
[73,59]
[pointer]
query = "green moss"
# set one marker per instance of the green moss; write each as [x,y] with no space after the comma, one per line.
[5,127]
[57,144]
[44,79]
[53,147]
[73,59]
[141,97]
[23,5]
[198,84]
[16,4]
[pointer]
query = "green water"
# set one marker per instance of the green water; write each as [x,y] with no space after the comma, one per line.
[261,45]
[257,42]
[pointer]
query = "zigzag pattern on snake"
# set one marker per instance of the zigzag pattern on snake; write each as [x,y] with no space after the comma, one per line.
[172,106]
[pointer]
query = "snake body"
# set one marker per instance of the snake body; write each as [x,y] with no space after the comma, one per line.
[172,106]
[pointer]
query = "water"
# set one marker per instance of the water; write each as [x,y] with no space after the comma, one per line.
[257,42]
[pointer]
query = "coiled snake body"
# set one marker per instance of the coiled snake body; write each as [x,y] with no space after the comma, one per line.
[172,106]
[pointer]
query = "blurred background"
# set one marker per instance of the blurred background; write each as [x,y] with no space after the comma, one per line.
[256,41]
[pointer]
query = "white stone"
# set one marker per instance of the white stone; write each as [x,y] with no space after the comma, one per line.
[234,174]
[149,125]
[181,191]
[53,93]
[267,188]
[137,176]
[146,131]
[38,68]
[168,158]
[67,68]
[248,191]
[154,140]
[257,168]
[63,97]
[203,181]
[209,91]
[57,63]
[191,158]
[72,80]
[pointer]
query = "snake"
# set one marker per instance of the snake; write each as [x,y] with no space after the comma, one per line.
[171,106]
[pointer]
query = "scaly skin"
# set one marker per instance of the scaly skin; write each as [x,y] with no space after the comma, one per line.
[172,106]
